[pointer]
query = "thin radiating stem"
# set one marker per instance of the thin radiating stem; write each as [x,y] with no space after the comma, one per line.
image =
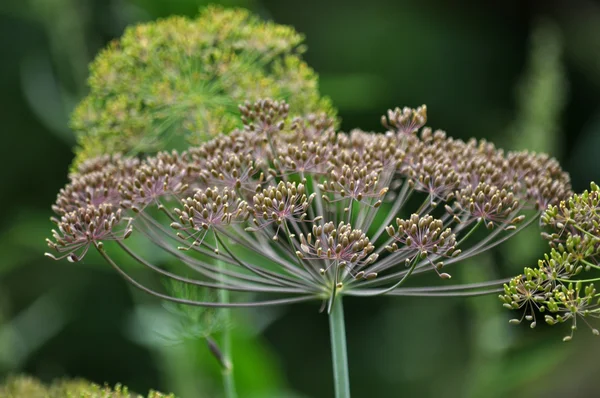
[435,290]
[400,282]
[424,265]
[224,282]
[264,273]
[199,303]
[447,294]
[400,201]
[206,269]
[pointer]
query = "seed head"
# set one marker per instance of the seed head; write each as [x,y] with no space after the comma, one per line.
[343,245]
[210,208]
[156,178]
[405,121]
[88,225]
[94,188]
[234,171]
[421,237]
[434,176]
[306,157]
[488,203]
[357,184]
[264,117]
[286,201]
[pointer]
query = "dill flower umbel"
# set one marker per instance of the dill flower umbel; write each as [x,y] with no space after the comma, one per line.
[556,287]
[294,208]
[175,80]
[286,210]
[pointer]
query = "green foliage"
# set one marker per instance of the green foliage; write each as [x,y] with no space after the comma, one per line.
[542,92]
[180,80]
[24,386]
[193,321]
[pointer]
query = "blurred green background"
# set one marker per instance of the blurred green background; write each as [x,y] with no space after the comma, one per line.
[522,74]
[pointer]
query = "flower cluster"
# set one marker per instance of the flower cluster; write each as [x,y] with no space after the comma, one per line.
[288,206]
[185,77]
[554,288]
[25,386]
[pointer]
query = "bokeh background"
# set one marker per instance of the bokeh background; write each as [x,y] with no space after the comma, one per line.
[522,74]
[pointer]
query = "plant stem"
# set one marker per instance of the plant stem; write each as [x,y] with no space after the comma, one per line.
[469,233]
[338,350]
[227,371]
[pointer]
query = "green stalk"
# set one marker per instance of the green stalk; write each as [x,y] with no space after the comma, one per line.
[338,350]
[473,229]
[227,371]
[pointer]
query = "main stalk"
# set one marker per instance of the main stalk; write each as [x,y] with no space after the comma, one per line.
[339,355]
